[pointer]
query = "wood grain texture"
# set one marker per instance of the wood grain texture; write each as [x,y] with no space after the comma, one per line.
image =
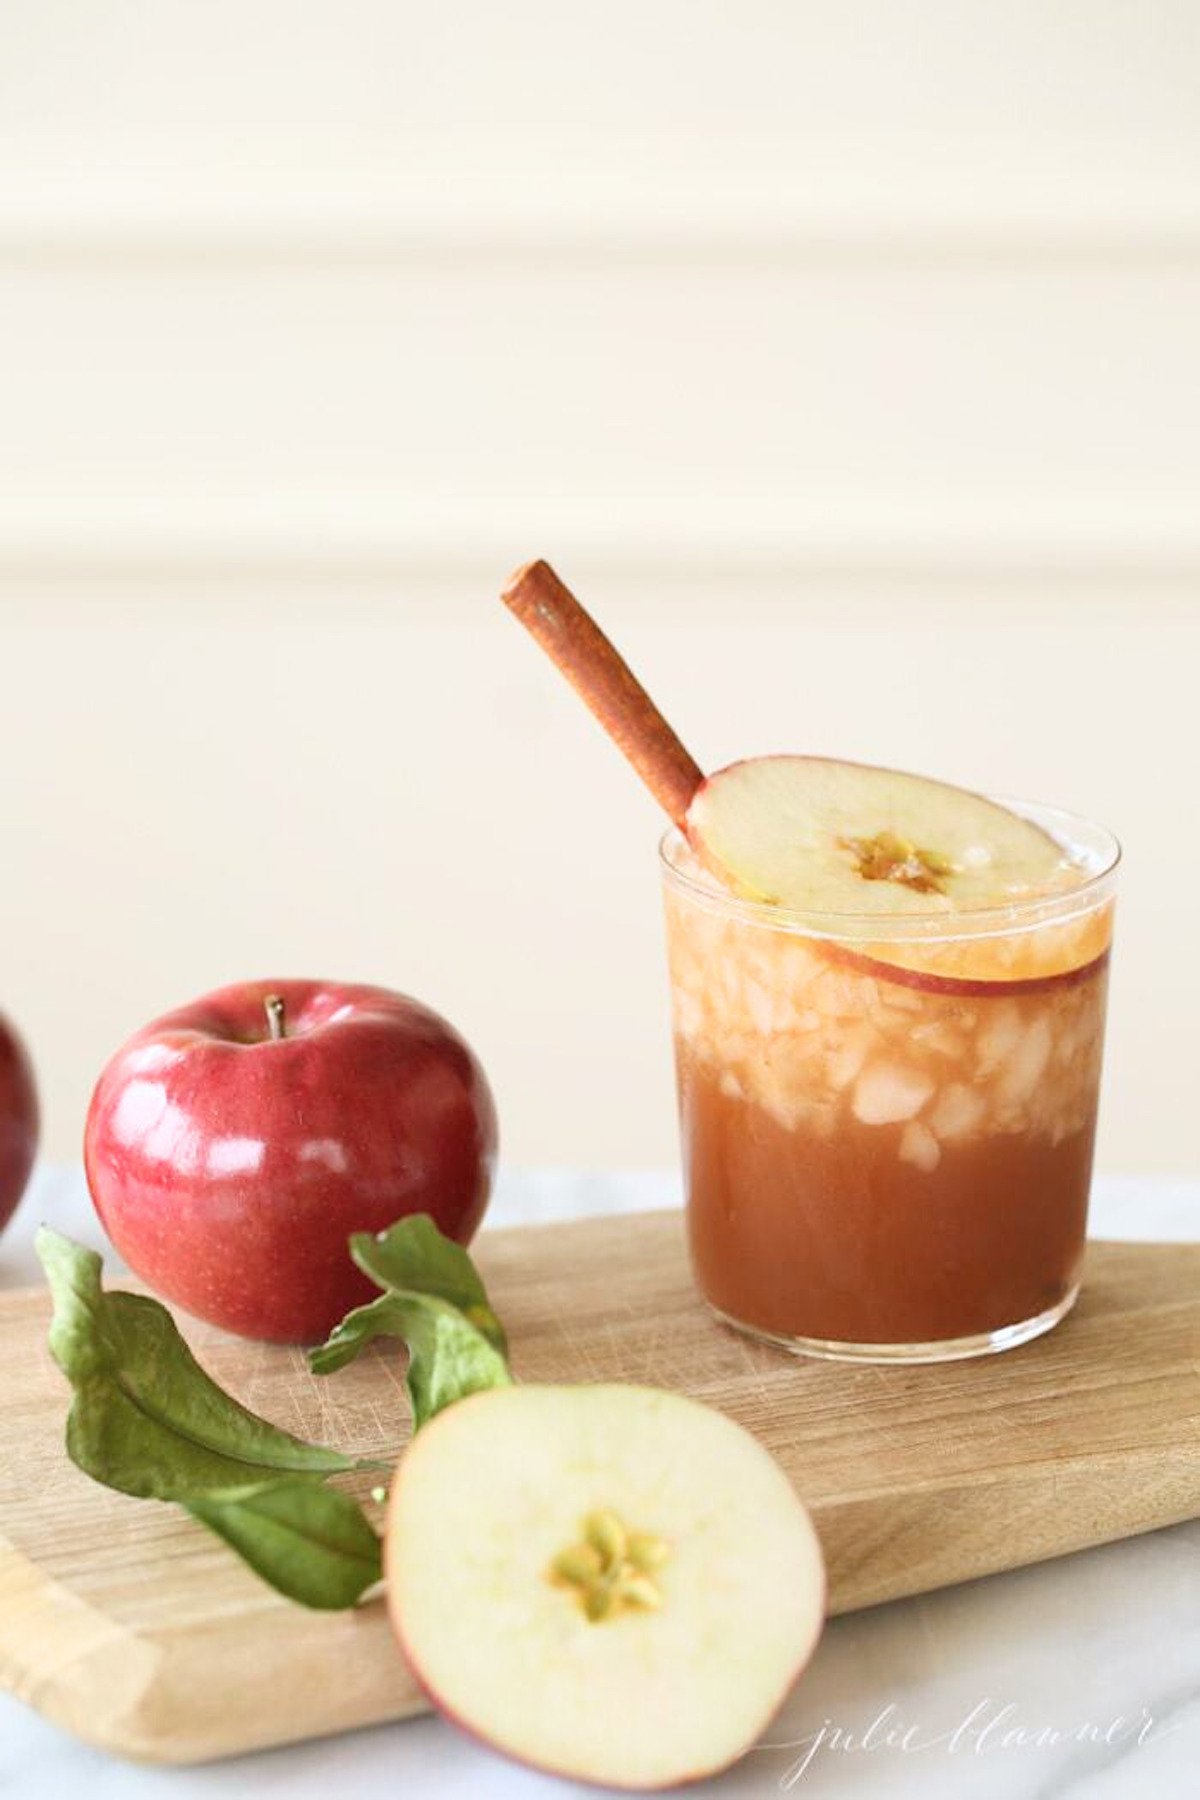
[128,1624]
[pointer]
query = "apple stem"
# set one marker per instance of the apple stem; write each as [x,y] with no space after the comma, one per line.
[273,1007]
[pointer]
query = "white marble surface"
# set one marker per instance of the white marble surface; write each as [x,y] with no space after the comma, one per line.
[1093,1660]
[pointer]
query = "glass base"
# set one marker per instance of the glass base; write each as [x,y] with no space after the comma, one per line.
[984,1343]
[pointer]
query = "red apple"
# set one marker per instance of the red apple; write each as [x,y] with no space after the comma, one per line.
[233,1145]
[18,1120]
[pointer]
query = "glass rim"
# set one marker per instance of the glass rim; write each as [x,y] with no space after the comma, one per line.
[1072,831]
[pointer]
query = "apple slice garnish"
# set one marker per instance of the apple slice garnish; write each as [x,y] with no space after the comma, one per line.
[614,1584]
[846,842]
[813,835]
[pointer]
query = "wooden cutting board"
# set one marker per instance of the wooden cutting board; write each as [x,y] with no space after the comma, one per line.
[128,1624]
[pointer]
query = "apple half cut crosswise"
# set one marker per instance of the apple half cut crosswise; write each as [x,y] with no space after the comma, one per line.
[611,1583]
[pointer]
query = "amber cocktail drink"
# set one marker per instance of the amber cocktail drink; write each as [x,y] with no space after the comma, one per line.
[887,1139]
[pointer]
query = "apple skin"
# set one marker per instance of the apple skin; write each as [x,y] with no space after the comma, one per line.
[926,982]
[229,1167]
[19,1120]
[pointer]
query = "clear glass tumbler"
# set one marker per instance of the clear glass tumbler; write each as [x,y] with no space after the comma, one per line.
[888,1123]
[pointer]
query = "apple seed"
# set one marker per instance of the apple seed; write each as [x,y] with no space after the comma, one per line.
[579,1566]
[886,857]
[606,1534]
[647,1552]
[609,1571]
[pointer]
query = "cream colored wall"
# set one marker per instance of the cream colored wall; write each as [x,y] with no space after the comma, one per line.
[843,357]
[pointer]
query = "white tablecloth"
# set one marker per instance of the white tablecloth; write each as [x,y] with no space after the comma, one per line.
[1077,1677]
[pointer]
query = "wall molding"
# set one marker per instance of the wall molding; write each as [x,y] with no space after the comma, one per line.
[709,537]
[551,215]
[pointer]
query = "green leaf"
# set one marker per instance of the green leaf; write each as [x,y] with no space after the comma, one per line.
[435,1302]
[310,1542]
[146,1419]
[413,1256]
[448,1358]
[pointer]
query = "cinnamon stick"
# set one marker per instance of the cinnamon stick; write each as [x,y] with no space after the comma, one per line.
[571,638]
